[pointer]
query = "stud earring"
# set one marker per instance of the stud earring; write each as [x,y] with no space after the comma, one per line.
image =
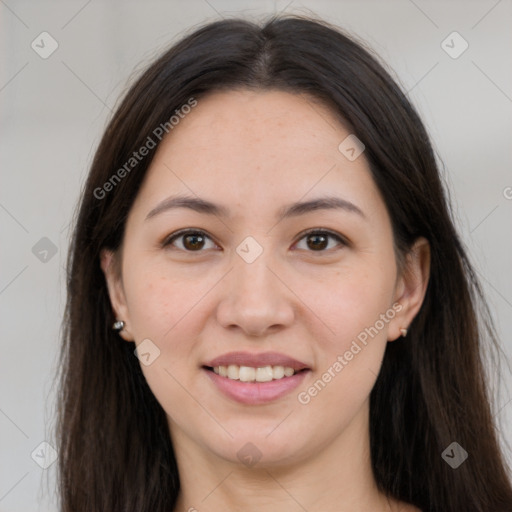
[118,325]
[404,332]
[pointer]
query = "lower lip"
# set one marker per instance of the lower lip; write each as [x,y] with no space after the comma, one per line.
[255,393]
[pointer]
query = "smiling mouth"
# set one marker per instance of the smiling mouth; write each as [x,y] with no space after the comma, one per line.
[252,374]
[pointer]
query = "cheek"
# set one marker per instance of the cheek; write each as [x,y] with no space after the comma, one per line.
[349,304]
[160,302]
[166,309]
[354,310]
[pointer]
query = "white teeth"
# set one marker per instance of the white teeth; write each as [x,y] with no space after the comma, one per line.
[264,374]
[250,374]
[288,372]
[233,372]
[278,372]
[245,373]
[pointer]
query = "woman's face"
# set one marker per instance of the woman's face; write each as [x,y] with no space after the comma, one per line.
[290,264]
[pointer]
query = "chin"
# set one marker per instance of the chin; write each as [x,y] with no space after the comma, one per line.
[257,449]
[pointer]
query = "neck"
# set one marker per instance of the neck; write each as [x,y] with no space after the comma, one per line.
[336,477]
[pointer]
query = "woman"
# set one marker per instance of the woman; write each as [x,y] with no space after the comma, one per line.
[269,307]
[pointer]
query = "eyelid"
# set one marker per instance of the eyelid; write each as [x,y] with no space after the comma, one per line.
[186,231]
[324,231]
[168,240]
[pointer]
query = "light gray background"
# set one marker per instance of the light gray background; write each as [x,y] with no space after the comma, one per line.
[53,112]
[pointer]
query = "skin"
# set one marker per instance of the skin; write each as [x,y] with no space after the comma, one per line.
[253,153]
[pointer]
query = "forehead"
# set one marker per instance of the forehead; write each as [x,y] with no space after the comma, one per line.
[248,120]
[253,147]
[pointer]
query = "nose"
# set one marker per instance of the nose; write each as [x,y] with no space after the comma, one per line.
[255,299]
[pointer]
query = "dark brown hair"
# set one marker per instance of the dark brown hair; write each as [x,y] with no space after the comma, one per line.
[115,452]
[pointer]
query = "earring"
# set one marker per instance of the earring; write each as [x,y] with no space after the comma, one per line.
[118,325]
[404,332]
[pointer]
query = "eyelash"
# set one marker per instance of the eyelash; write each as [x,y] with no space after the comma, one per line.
[316,231]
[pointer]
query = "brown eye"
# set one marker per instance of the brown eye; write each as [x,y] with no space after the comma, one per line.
[317,242]
[193,242]
[320,241]
[190,241]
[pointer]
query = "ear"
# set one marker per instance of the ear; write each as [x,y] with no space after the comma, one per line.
[111,268]
[411,287]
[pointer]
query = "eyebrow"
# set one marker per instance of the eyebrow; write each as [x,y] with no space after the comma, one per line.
[300,208]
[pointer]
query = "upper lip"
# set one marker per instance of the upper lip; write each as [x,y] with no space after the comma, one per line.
[257,360]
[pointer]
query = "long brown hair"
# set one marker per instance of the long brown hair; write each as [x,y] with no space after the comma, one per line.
[115,451]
